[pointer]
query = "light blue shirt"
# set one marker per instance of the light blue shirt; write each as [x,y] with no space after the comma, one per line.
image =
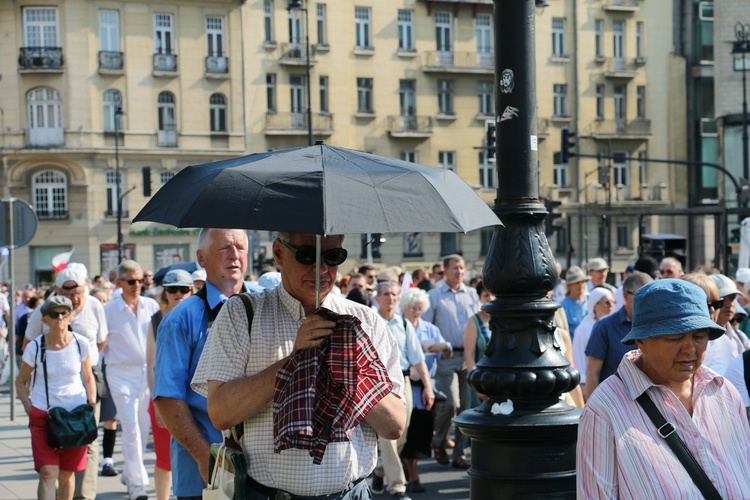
[409,348]
[179,344]
[429,334]
[451,309]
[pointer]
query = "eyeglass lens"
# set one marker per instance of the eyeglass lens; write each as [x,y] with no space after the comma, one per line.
[175,289]
[306,254]
[58,314]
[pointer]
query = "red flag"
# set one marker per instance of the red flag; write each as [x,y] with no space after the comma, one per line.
[60,261]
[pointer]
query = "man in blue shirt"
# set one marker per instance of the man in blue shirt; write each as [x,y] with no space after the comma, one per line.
[179,344]
[604,350]
[575,302]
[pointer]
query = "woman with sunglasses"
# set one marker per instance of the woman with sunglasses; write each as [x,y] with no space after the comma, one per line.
[176,286]
[601,303]
[68,383]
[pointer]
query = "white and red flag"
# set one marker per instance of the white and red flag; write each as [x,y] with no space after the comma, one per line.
[60,261]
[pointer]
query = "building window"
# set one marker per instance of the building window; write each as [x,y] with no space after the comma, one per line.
[163,36]
[323,84]
[486,234]
[560,99]
[620,169]
[297,96]
[618,39]
[50,190]
[449,244]
[487,172]
[164,177]
[484,92]
[444,37]
[640,102]
[271,92]
[641,167]
[364,95]
[167,119]
[362,28]
[560,172]
[112,100]
[407,96]
[558,36]
[484,35]
[619,98]
[600,102]
[405,29]
[371,241]
[40,27]
[295,30]
[112,194]
[215,36]
[45,117]
[268,21]
[640,33]
[410,156]
[447,160]
[322,24]
[109,31]
[445,97]
[623,234]
[218,111]
[598,37]
[561,239]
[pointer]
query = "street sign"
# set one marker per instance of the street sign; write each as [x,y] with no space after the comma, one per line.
[24,222]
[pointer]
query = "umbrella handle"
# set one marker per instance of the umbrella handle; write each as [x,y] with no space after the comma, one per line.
[318,252]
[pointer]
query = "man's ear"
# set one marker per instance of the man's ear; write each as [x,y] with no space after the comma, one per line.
[200,257]
[276,250]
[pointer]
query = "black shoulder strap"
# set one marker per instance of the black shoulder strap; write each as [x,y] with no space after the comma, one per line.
[44,368]
[746,369]
[212,313]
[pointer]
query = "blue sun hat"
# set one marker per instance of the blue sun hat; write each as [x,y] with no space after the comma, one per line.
[670,307]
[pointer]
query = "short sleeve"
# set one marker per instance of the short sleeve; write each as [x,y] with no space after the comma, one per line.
[736,375]
[596,463]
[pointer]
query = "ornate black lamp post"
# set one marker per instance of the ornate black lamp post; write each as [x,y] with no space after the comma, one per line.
[742,46]
[531,449]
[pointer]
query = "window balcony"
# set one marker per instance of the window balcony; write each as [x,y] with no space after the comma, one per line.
[52,214]
[409,126]
[458,62]
[41,59]
[620,67]
[620,5]
[217,66]
[46,137]
[621,129]
[293,54]
[296,123]
[167,138]
[110,62]
[165,64]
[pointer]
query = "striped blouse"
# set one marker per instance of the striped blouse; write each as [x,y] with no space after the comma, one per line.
[620,454]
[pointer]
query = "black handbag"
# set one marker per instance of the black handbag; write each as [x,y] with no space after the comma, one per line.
[68,429]
[101,385]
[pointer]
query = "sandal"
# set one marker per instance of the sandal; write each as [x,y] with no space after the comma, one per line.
[441,456]
[461,463]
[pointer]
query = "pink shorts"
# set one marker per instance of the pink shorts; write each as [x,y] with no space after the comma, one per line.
[162,439]
[67,460]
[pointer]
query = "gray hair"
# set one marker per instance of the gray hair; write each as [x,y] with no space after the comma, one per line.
[128,266]
[635,281]
[203,236]
[387,284]
[414,296]
[454,257]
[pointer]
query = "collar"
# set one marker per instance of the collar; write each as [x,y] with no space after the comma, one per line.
[214,296]
[622,316]
[293,306]
[124,305]
[445,288]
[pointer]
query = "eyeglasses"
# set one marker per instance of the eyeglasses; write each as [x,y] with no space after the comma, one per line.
[717,304]
[175,289]
[133,282]
[148,275]
[306,254]
[605,303]
[58,314]
[440,273]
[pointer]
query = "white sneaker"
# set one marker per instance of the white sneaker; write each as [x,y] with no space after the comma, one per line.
[137,492]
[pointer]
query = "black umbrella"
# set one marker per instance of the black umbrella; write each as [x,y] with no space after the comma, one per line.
[319,190]
[189,266]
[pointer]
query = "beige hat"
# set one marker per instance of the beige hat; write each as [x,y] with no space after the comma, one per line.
[575,274]
[597,264]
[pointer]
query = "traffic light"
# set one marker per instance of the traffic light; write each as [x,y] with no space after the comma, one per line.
[550,228]
[567,144]
[490,139]
[146,181]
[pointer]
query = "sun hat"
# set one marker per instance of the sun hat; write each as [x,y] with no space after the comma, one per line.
[177,277]
[70,274]
[739,310]
[597,264]
[670,307]
[743,275]
[270,280]
[54,302]
[725,285]
[199,274]
[575,274]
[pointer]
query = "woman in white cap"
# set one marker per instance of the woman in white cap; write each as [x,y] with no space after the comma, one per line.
[601,303]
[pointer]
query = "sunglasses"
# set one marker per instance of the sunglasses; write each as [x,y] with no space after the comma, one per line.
[175,289]
[440,273]
[133,282]
[717,304]
[58,314]
[306,254]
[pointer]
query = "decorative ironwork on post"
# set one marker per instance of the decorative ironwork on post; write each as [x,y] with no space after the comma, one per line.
[523,438]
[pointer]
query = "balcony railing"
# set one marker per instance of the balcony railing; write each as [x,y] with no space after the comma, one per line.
[46,137]
[621,129]
[165,62]
[110,60]
[217,65]
[409,126]
[52,215]
[621,5]
[41,58]
[458,62]
[167,138]
[296,123]
[294,54]
[620,67]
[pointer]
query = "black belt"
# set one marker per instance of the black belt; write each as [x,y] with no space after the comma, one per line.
[458,349]
[406,372]
[277,494]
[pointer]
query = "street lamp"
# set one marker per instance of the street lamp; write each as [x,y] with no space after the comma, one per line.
[742,46]
[118,113]
[297,5]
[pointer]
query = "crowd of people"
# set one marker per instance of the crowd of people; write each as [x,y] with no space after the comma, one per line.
[145,359]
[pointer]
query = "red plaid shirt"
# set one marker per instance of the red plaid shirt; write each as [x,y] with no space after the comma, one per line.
[322,394]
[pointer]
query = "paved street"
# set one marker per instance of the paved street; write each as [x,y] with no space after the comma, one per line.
[19,481]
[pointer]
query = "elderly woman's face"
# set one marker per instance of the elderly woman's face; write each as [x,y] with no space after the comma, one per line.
[58,318]
[673,359]
[414,311]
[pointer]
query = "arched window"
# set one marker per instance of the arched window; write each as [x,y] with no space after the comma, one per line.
[112,100]
[45,117]
[50,194]
[218,110]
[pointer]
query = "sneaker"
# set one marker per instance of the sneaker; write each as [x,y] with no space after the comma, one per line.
[137,492]
[400,495]
[377,486]
[108,470]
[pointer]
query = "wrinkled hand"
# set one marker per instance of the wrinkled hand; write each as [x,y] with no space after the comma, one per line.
[428,397]
[313,331]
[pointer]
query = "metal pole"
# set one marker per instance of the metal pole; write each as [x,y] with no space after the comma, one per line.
[309,81]
[118,112]
[12,346]
[527,450]
[745,166]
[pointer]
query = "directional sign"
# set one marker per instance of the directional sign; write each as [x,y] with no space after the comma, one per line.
[24,222]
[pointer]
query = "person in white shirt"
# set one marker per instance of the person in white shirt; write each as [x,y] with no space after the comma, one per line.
[733,343]
[128,317]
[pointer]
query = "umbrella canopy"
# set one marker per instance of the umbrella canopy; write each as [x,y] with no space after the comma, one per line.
[319,190]
[189,266]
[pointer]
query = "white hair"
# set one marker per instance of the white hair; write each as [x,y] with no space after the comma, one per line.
[414,296]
